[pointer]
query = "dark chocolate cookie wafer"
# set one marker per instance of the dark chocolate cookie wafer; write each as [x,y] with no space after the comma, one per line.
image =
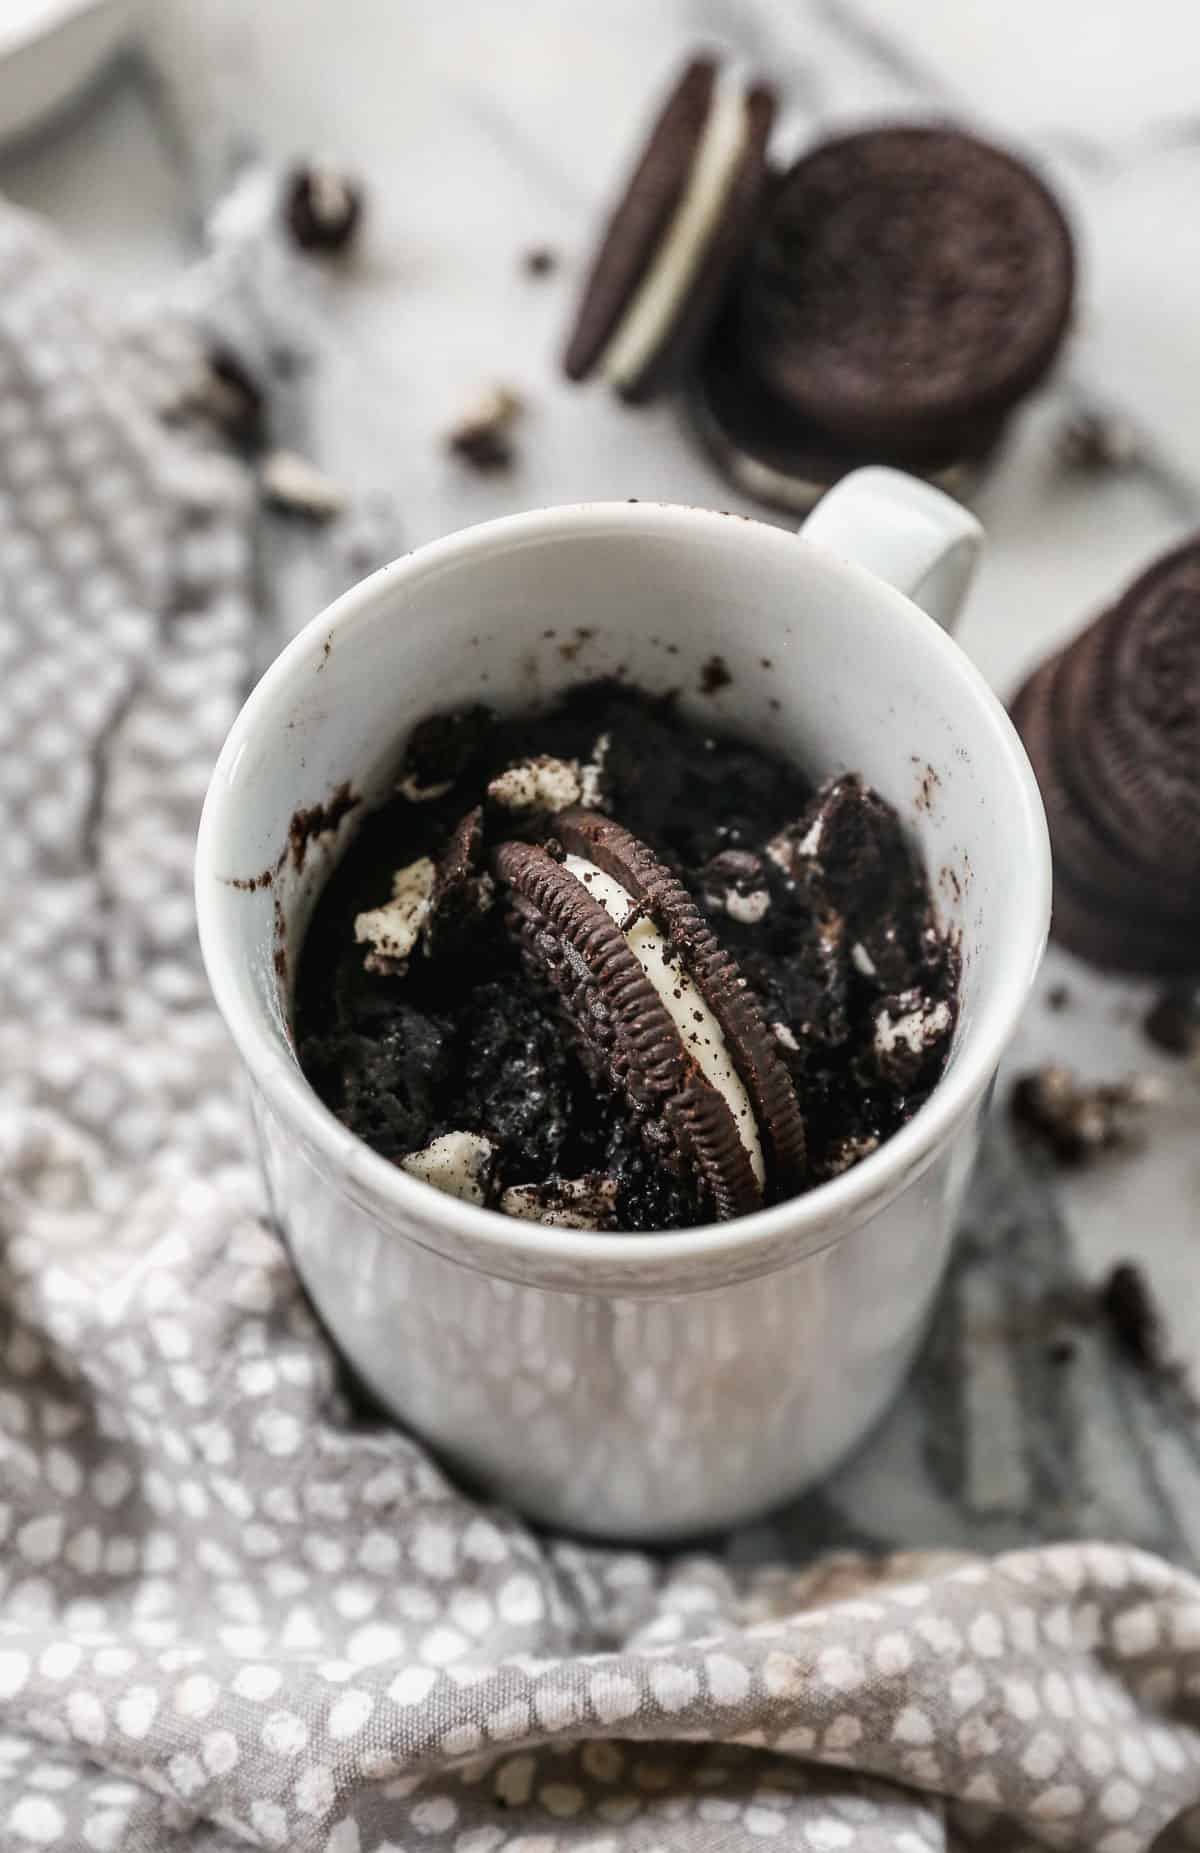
[678,230]
[908,286]
[651,195]
[1121,769]
[568,939]
[716,977]
[761,447]
[1105,908]
[1112,727]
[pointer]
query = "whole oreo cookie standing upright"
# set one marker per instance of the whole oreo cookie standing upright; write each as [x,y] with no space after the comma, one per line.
[673,239]
[906,288]
[1112,727]
[660,1011]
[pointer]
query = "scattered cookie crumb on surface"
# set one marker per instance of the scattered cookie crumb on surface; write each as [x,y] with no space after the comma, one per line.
[323,208]
[483,435]
[292,485]
[1093,440]
[1076,1120]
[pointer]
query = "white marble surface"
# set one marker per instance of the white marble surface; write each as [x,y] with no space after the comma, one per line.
[482,130]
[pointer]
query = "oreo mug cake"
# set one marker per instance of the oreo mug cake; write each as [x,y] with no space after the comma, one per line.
[599,967]
[672,1364]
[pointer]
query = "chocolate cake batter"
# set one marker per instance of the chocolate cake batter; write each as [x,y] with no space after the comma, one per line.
[469,1009]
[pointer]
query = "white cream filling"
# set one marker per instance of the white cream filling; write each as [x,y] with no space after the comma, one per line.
[591,774]
[747,908]
[393,929]
[861,959]
[917,1028]
[456,1163]
[545,783]
[673,269]
[698,1028]
[574,1202]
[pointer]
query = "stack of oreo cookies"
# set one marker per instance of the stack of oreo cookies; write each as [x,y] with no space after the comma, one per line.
[890,298]
[1112,726]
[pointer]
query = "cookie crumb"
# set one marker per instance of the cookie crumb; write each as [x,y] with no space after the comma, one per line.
[1058,998]
[734,883]
[457,1163]
[293,486]
[322,208]
[1133,1318]
[587,1202]
[1093,440]
[543,784]
[228,394]
[1075,1120]
[483,436]
[392,930]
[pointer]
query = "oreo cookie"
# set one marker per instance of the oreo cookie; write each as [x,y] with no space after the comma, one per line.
[1112,727]
[907,287]
[675,236]
[661,1011]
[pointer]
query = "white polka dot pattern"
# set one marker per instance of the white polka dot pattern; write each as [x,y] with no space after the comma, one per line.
[231,1615]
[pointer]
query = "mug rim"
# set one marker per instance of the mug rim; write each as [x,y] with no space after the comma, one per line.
[804,1223]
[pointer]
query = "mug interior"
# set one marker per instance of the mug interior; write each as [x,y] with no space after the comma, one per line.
[801,652]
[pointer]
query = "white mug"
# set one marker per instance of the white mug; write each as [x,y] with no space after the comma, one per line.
[636,1385]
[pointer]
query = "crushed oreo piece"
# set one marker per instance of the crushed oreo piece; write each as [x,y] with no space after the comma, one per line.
[588,1202]
[1092,440]
[591,774]
[844,1153]
[1076,1120]
[293,486]
[392,931]
[457,1163]
[463,889]
[540,784]
[483,436]
[323,208]
[1058,997]
[1126,1302]
[228,394]
[734,882]
[909,1028]
[1173,1021]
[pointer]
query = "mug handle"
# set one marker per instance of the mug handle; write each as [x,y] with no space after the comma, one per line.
[906,532]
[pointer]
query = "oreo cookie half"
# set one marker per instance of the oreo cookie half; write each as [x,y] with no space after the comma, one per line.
[765,452]
[660,1009]
[908,287]
[905,288]
[672,242]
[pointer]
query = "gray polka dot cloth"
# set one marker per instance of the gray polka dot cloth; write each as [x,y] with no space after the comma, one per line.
[232,1614]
